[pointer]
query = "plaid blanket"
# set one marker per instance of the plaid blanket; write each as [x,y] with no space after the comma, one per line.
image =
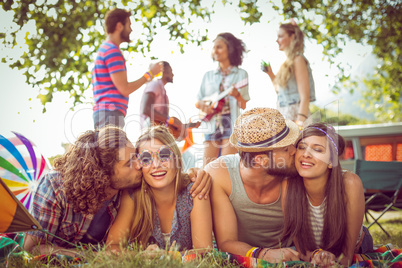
[11,248]
[384,256]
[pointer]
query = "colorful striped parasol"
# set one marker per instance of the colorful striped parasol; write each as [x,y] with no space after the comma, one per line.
[21,166]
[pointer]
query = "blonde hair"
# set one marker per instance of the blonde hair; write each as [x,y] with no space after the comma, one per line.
[143,223]
[295,48]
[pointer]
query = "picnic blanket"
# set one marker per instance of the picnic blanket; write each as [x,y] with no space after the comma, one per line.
[384,256]
[11,249]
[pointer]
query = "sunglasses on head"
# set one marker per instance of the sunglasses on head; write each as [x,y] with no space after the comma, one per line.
[146,157]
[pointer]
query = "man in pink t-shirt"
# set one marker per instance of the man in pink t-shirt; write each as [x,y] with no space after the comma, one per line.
[154,107]
[109,78]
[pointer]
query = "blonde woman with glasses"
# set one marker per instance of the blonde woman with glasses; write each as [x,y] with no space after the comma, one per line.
[163,215]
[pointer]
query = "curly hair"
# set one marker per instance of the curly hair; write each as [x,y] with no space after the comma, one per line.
[88,166]
[236,48]
[143,222]
[296,222]
[295,48]
[115,16]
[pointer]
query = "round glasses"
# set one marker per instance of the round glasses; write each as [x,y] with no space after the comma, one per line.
[146,157]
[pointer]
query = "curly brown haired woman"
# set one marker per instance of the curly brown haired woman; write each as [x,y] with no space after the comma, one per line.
[92,172]
[84,188]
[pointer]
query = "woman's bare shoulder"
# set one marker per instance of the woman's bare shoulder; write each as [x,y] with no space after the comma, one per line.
[351,180]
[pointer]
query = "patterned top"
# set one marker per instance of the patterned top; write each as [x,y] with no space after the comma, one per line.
[161,103]
[210,86]
[181,223]
[55,214]
[108,60]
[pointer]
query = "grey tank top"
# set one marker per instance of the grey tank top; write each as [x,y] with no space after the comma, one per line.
[290,95]
[258,224]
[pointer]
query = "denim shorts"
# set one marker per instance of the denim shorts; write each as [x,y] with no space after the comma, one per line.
[106,117]
[367,244]
[221,134]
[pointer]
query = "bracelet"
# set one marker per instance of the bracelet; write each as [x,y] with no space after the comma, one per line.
[263,255]
[300,124]
[176,254]
[305,116]
[256,252]
[148,76]
[250,252]
[315,252]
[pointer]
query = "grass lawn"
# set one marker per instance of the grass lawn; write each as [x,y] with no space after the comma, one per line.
[391,221]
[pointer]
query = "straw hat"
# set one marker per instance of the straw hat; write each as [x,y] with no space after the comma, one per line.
[263,129]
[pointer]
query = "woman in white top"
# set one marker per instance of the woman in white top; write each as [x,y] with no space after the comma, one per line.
[228,51]
[294,83]
[324,207]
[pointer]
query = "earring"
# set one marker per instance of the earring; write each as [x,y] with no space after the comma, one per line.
[330,165]
[145,191]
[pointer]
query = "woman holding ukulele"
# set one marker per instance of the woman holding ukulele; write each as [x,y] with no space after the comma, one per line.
[228,52]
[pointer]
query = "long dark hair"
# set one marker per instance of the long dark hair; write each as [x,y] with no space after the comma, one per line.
[297,213]
[236,48]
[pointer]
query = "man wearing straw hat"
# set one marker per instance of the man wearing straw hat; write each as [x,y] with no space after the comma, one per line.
[248,188]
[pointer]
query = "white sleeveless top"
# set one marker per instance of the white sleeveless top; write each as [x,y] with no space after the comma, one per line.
[316,216]
[317,220]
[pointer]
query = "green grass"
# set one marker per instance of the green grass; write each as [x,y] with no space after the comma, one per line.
[127,259]
[391,221]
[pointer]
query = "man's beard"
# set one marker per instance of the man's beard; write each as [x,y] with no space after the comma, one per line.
[117,185]
[286,171]
[125,37]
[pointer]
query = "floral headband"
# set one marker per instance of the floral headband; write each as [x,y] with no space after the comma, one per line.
[329,137]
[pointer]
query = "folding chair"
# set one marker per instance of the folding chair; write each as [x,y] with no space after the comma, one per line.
[385,177]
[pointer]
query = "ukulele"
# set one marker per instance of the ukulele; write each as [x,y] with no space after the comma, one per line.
[179,135]
[217,100]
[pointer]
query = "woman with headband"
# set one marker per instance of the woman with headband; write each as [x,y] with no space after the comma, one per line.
[324,206]
[294,82]
[162,214]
